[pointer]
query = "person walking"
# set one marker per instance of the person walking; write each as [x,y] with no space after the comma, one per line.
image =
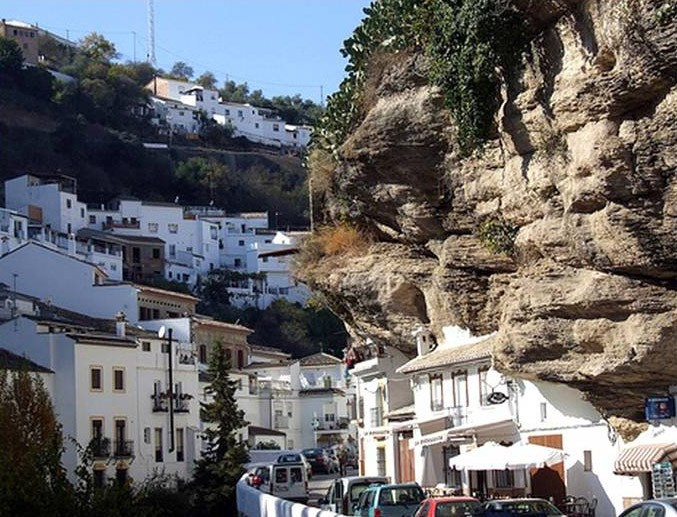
[343,459]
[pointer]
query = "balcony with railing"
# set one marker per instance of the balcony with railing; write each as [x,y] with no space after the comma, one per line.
[100,448]
[123,448]
[376,416]
[180,401]
[124,224]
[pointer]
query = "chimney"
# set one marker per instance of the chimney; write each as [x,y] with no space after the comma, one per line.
[424,341]
[120,324]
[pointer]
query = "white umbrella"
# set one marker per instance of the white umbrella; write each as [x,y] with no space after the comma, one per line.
[489,456]
[532,456]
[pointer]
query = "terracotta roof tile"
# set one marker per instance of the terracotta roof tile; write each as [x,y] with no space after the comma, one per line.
[449,356]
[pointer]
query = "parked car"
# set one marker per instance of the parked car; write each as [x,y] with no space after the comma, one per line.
[318,459]
[401,500]
[450,507]
[333,460]
[287,481]
[344,493]
[295,458]
[654,507]
[522,507]
[258,476]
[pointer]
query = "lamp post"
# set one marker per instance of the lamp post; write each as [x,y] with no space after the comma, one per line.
[170,391]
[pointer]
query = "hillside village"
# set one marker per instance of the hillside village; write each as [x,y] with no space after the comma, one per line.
[86,304]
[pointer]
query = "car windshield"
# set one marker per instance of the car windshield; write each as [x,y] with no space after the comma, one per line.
[312,452]
[400,495]
[289,458]
[357,489]
[525,507]
[457,509]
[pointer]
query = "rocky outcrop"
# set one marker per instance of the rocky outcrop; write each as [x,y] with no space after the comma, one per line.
[582,162]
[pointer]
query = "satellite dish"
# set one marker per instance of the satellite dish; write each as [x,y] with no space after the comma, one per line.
[161,332]
[496,397]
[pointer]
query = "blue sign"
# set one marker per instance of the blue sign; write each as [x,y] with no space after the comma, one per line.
[659,407]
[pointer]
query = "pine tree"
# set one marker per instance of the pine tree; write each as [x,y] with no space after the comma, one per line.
[221,466]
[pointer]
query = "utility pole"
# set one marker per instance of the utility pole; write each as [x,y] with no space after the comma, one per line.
[310,200]
[134,39]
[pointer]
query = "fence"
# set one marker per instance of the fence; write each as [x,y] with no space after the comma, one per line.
[253,503]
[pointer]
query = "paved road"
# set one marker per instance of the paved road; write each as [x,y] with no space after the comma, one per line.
[319,485]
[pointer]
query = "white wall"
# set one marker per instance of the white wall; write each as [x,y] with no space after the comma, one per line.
[67,282]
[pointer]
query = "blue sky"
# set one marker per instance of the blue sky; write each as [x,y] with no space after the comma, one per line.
[280,46]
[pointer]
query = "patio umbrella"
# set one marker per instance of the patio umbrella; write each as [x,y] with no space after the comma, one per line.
[532,456]
[489,456]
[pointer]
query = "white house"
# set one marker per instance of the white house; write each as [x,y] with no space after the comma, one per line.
[462,402]
[306,399]
[66,281]
[256,124]
[47,200]
[383,396]
[111,391]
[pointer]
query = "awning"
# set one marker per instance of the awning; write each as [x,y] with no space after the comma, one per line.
[532,456]
[490,456]
[641,458]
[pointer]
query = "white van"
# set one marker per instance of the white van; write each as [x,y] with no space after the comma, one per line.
[287,481]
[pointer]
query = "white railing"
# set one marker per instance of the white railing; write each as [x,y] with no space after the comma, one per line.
[254,503]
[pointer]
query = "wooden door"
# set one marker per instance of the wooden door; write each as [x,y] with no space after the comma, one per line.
[361,452]
[548,481]
[406,464]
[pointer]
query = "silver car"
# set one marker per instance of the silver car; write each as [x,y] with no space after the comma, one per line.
[653,508]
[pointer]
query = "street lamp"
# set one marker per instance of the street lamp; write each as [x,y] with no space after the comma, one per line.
[161,334]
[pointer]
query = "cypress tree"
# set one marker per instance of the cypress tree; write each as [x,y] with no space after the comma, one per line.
[221,465]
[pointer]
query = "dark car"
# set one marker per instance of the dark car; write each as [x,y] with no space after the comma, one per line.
[520,507]
[318,459]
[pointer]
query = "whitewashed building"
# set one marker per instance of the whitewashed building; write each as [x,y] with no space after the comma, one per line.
[383,400]
[256,124]
[462,403]
[111,391]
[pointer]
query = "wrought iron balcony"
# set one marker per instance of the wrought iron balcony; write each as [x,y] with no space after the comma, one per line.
[100,448]
[123,448]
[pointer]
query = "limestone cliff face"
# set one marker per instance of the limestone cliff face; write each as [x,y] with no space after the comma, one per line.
[582,162]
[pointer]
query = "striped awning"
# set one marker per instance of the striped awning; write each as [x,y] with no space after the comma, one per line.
[641,458]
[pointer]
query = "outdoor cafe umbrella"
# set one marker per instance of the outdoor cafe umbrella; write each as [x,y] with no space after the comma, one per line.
[532,456]
[489,456]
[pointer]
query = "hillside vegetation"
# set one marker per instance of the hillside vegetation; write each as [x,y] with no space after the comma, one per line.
[94,127]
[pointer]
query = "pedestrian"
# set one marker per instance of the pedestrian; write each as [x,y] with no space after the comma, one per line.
[343,459]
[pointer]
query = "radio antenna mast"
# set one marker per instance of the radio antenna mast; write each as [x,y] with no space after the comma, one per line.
[151,33]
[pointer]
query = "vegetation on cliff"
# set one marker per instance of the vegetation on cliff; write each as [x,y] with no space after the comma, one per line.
[470,44]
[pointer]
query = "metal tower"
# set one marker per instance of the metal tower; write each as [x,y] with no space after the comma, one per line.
[151,33]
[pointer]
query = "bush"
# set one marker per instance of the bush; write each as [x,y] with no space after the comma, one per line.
[498,236]
[470,45]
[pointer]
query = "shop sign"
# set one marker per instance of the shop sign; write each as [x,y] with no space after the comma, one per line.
[659,407]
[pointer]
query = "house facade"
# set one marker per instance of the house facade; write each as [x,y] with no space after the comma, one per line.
[462,403]
[382,398]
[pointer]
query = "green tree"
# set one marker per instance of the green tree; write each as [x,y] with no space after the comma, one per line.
[95,46]
[32,479]
[207,79]
[181,70]
[11,61]
[221,466]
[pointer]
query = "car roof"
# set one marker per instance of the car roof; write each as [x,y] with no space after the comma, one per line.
[453,499]
[520,500]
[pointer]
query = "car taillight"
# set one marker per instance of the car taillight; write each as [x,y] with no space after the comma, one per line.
[377,512]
